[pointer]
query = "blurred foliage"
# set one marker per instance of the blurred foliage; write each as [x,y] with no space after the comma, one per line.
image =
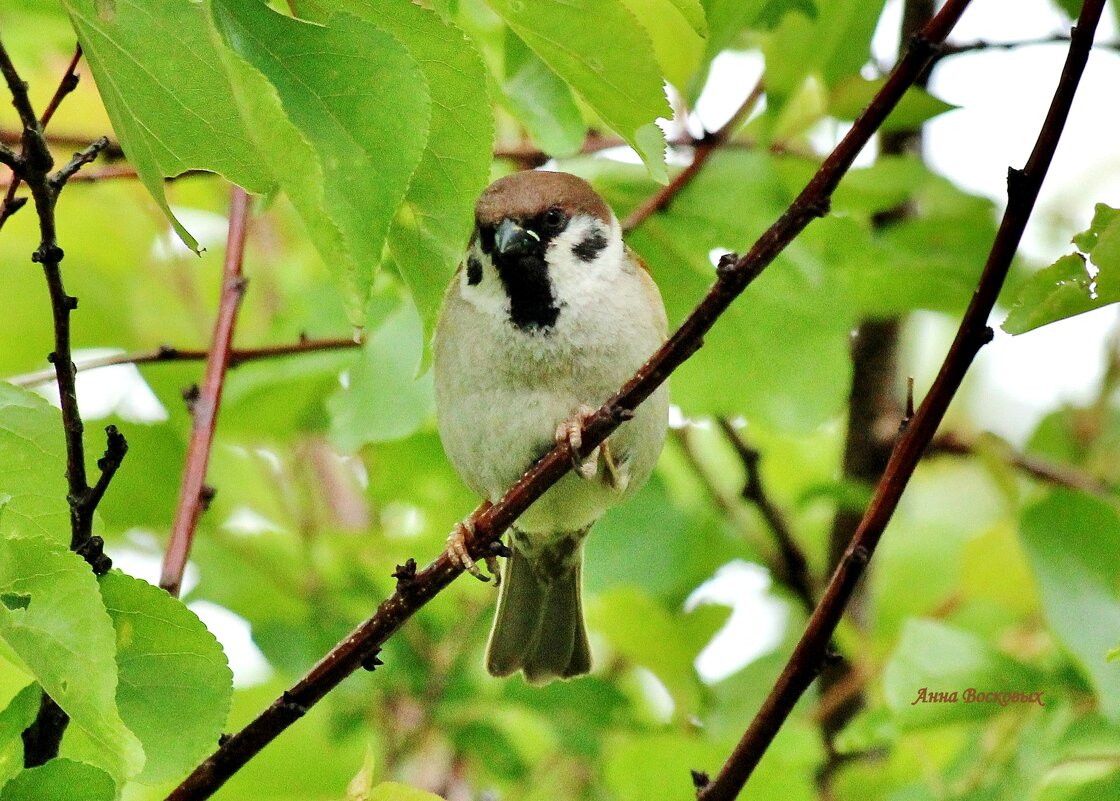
[368,130]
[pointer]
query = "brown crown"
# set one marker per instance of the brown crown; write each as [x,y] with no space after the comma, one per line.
[524,195]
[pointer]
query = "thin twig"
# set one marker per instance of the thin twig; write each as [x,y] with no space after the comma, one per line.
[69,82]
[1057,474]
[980,45]
[194,495]
[793,567]
[703,148]
[973,334]
[33,165]
[491,520]
[169,353]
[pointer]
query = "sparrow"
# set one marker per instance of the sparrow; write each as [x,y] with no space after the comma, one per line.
[547,316]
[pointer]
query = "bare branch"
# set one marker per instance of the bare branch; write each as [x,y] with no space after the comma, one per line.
[793,566]
[42,738]
[973,334]
[491,520]
[703,148]
[193,491]
[169,353]
[958,48]
[69,82]
[80,159]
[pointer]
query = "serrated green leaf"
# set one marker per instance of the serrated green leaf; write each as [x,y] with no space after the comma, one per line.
[171,107]
[851,95]
[1073,544]
[345,126]
[677,29]
[174,684]
[540,100]
[429,233]
[385,399]
[933,658]
[65,640]
[17,716]
[61,780]
[610,64]
[32,465]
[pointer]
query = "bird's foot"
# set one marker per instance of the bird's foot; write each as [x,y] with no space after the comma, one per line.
[615,475]
[570,433]
[459,552]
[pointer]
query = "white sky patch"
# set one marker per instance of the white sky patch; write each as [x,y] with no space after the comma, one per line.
[118,389]
[246,660]
[756,624]
[248,522]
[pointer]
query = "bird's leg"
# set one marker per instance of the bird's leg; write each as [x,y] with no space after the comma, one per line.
[570,433]
[616,475]
[459,552]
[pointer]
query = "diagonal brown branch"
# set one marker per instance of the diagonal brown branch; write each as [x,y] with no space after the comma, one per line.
[490,521]
[193,493]
[973,334]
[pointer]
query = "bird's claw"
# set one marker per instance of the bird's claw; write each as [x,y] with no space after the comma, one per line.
[459,552]
[570,433]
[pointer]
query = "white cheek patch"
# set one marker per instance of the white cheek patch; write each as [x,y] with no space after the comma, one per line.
[585,256]
[480,286]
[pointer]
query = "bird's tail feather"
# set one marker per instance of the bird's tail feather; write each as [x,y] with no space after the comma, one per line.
[538,627]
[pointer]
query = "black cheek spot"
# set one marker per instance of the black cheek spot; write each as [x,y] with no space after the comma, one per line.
[474,270]
[591,247]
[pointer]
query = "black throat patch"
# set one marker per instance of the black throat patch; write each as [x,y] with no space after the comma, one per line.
[531,303]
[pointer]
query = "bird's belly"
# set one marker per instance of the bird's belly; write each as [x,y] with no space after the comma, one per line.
[493,437]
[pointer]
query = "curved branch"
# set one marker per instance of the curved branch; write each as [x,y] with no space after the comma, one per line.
[973,334]
[414,589]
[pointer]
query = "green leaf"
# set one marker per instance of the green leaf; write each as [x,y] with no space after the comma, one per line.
[17,716]
[174,685]
[1104,217]
[64,638]
[1073,544]
[171,107]
[833,44]
[729,19]
[677,29]
[667,644]
[610,64]
[61,780]
[800,307]
[1064,289]
[933,658]
[32,465]
[344,126]
[429,234]
[385,399]
[852,94]
[393,791]
[540,100]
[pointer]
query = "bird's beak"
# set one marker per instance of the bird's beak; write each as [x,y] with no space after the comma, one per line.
[513,240]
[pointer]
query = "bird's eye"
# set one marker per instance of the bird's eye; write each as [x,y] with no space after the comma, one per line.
[554,219]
